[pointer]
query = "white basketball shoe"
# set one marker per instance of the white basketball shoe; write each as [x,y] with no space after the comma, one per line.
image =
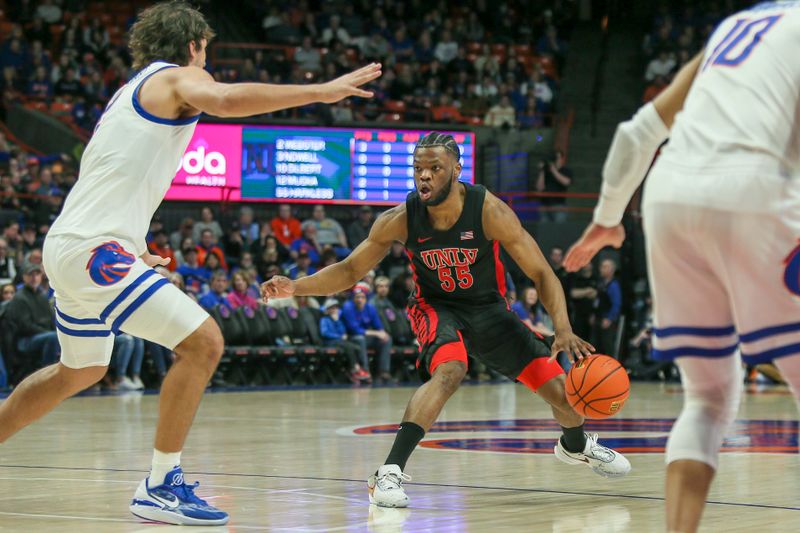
[604,461]
[386,488]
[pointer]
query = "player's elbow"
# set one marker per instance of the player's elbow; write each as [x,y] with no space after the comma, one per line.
[350,275]
[223,107]
[221,103]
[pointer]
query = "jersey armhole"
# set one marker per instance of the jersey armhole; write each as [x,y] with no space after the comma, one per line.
[479,195]
[411,220]
[142,112]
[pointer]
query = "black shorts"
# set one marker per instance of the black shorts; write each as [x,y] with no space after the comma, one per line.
[491,333]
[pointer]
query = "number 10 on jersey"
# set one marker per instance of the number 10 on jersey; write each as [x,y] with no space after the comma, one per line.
[739,42]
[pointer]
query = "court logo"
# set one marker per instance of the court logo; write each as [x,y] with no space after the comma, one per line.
[791,275]
[109,263]
[748,436]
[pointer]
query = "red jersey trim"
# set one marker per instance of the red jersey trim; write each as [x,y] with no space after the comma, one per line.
[499,270]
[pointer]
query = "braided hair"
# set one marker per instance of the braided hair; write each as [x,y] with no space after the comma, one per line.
[434,138]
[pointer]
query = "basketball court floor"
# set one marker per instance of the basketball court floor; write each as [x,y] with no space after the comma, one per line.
[296,460]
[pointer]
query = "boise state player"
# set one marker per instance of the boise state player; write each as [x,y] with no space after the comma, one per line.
[97,260]
[722,220]
[452,233]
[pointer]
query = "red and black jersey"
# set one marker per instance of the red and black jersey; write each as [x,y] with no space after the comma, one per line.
[459,265]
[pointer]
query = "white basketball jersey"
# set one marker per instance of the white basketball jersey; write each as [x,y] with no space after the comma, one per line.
[736,144]
[126,169]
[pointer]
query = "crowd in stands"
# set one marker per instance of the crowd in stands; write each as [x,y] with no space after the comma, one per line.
[442,62]
[672,43]
[67,57]
[676,36]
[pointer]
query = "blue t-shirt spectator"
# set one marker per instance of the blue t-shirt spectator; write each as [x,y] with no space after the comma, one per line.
[331,329]
[302,245]
[211,299]
[38,88]
[357,322]
[614,295]
[523,312]
[194,277]
[295,270]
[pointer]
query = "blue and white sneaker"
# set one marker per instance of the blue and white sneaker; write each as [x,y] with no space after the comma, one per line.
[175,502]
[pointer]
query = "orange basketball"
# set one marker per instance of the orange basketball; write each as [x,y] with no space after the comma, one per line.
[597,386]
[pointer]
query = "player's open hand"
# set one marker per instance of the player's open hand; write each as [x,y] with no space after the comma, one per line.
[277,287]
[575,347]
[155,260]
[594,239]
[349,84]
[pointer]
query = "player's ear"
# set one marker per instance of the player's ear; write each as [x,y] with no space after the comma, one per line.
[457,169]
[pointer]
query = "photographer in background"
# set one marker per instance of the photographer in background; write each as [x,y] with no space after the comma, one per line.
[554,177]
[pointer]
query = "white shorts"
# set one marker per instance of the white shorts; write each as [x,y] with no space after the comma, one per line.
[723,281]
[101,289]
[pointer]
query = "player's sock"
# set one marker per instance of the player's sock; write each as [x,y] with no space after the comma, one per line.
[408,436]
[573,439]
[163,463]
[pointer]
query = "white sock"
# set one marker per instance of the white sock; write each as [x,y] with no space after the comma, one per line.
[163,463]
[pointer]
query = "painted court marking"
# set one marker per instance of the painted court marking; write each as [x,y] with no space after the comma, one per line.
[133,521]
[474,487]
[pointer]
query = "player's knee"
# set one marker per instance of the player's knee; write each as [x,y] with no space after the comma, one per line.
[448,376]
[716,405]
[215,348]
[789,368]
[710,406]
[78,379]
[718,399]
[554,392]
[204,346]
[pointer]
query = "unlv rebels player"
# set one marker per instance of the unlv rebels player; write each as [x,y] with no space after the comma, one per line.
[452,233]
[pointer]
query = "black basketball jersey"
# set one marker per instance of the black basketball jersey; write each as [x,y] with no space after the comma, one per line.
[459,265]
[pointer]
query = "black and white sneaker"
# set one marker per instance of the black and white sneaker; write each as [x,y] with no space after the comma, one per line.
[604,461]
[386,488]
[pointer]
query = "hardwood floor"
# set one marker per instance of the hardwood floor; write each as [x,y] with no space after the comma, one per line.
[296,460]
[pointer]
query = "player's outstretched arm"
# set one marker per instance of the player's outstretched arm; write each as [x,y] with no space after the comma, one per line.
[501,224]
[389,227]
[632,150]
[196,89]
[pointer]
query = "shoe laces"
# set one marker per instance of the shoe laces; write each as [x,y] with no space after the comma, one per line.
[392,480]
[186,493]
[598,451]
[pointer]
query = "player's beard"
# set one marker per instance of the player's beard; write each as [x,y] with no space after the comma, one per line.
[442,196]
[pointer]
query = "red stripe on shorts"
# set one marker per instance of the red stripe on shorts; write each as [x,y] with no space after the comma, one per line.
[452,351]
[538,372]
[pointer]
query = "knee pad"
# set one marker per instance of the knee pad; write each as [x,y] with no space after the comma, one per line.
[712,390]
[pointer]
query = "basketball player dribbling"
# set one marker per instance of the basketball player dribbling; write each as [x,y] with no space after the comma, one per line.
[452,233]
[96,257]
[722,221]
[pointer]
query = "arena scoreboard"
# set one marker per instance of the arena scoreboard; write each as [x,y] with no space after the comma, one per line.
[240,162]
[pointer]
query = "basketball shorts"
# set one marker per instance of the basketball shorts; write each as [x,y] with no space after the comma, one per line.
[102,289]
[724,281]
[490,333]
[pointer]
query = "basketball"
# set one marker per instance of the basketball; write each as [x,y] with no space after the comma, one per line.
[597,386]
